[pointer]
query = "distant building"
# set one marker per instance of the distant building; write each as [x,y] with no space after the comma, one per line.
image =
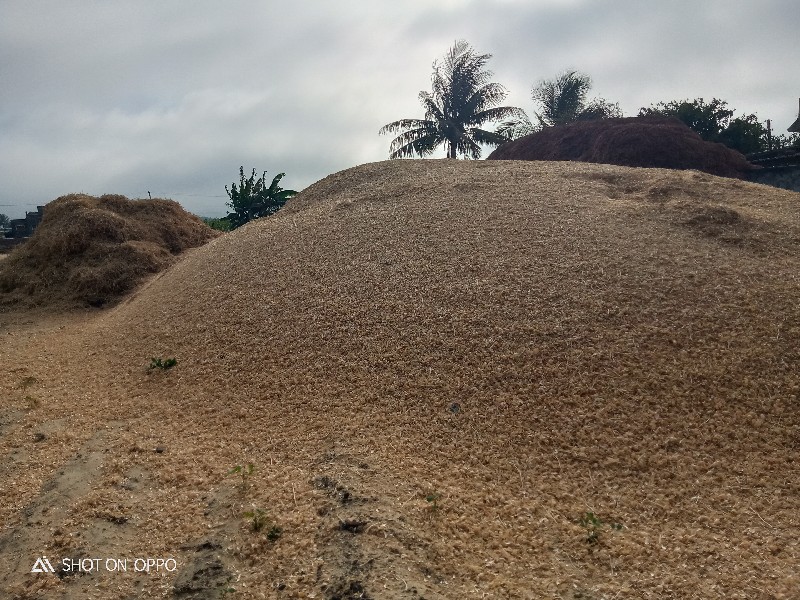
[795,127]
[22,228]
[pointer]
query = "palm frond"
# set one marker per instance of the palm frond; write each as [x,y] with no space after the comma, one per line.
[421,141]
[562,98]
[467,146]
[496,114]
[485,97]
[488,138]
[402,124]
[516,128]
[433,110]
[424,146]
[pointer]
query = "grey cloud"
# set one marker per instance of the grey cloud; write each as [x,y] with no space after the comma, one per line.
[126,97]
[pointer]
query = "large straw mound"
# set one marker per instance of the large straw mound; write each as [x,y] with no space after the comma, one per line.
[91,251]
[634,142]
[454,379]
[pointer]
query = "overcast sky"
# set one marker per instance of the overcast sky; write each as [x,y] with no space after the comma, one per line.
[172,96]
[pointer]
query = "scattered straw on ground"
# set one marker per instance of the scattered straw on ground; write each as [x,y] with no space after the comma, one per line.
[91,251]
[461,379]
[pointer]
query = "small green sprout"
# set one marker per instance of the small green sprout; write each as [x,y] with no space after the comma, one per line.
[245,472]
[433,500]
[274,533]
[259,518]
[593,526]
[164,365]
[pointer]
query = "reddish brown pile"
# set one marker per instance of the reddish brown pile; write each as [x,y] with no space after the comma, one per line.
[633,142]
[90,251]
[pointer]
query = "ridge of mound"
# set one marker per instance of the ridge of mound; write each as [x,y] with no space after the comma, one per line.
[653,142]
[532,341]
[92,251]
[453,379]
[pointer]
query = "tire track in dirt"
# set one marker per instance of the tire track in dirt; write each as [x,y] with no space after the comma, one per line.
[368,548]
[209,569]
[48,529]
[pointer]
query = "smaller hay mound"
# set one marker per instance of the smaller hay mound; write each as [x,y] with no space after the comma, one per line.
[654,142]
[90,251]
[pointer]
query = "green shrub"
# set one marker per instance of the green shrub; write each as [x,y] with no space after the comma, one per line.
[164,365]
[220,224]
[253,199]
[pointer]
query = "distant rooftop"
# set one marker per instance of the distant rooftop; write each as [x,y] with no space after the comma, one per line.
[795,127]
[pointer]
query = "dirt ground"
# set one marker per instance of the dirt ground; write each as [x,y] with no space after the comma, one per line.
[427,379]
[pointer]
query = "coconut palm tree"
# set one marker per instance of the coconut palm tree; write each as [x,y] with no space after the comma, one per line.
[562,100]
[462,99]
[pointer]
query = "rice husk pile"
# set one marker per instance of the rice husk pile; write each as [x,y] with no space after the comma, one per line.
[662,142]
[452,379]
[90,251]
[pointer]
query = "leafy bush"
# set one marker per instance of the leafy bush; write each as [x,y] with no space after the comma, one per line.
[222,224]
[253,199]
[714,122]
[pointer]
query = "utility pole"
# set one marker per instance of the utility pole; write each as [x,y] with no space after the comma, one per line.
[769,135]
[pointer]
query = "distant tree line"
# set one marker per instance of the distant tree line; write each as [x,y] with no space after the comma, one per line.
[218,223]
[714,122]
[463,99]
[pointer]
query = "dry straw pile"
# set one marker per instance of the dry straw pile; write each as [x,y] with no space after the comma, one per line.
[462,379]
[91,251]
[632,141]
